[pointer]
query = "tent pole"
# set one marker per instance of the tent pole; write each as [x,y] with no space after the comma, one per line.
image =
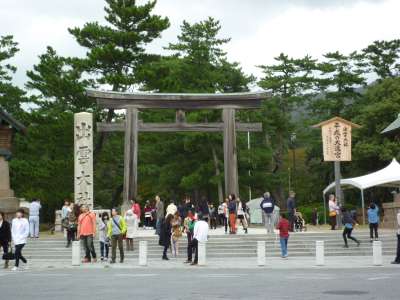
[323,198]
[362,206]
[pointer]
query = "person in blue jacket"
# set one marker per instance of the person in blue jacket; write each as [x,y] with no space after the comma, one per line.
[268,205]
[373,220]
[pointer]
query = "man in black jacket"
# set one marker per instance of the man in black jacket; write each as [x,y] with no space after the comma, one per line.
[5,236]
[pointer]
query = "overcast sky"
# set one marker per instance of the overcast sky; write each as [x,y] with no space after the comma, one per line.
[260,29]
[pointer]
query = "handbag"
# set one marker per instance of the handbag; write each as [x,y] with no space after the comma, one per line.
[332,213]
[9,255]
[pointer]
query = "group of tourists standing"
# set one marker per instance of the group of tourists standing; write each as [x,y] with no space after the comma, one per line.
[82,224]
[233,212]
[194,224]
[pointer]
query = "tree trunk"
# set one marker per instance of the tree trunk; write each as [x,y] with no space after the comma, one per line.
[116,195]
[218,173]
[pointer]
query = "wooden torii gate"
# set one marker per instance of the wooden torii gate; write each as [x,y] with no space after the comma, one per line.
[133,102]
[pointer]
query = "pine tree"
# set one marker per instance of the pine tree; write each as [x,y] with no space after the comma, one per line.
[11,96]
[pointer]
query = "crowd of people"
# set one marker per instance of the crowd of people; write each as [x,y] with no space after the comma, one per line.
[171,223]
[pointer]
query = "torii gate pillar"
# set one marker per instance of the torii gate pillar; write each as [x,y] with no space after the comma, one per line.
[230,154]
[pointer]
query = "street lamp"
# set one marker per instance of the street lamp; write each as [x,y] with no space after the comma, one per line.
[293,138]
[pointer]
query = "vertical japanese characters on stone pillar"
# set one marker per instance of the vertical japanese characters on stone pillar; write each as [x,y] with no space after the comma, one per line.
[83,156]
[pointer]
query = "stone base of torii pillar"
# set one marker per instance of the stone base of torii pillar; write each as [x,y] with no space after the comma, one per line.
[8,202]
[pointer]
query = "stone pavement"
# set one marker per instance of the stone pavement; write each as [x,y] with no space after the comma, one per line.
[332,262]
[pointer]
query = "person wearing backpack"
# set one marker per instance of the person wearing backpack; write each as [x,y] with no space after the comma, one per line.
[268,205]
[116,228]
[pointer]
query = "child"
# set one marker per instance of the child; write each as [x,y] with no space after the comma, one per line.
[104,241]
[283,227]
[176,233]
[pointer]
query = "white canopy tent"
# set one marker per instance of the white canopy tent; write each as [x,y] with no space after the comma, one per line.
[388,176]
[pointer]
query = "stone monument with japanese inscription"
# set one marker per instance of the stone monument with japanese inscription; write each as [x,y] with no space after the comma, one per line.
[83,158]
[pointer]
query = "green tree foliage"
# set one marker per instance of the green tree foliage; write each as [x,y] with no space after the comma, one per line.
[115,50]
[383,58]
[303,92]
[197,65]
[11,96]
[290,82]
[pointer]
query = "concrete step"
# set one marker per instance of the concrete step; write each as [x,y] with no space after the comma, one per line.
[232,246]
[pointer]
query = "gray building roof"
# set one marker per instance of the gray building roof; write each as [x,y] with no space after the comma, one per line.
[7,118]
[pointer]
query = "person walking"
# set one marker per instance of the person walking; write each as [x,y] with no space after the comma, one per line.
[87,232]
[72,223]
[333,211]
[159,214]
[188,225]
[397,259]
[176,233]
[165,235]
[5,236]
[148,215]
[34,209]
[116,229]
[241,215]
[131,221]
[268,205]
[283,227]
[19,233]
[373,220]
[232,208]
[291,208]
[200,235]
[103,238]
[349,223]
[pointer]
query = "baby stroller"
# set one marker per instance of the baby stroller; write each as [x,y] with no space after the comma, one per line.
[299,222]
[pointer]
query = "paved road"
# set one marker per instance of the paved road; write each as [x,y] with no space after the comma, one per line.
[199,283]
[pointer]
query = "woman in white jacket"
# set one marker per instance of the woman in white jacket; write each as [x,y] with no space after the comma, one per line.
[132,223]
[19,233]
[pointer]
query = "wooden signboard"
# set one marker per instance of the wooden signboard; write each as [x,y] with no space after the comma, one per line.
[336,139]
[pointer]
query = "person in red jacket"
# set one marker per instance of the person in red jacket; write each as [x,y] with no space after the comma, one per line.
[283,227]
[136,209]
